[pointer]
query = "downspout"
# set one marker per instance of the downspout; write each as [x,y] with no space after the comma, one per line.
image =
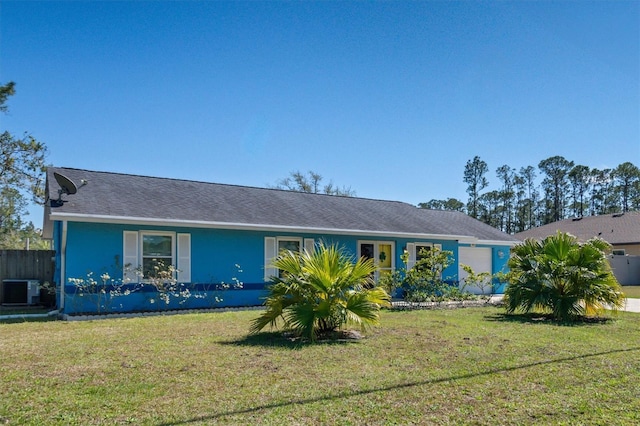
[63,264]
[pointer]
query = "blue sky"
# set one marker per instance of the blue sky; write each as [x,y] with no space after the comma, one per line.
[390,98]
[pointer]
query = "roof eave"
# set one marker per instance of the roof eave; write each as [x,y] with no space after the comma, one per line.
[509,243]
[126,220]
[47,223]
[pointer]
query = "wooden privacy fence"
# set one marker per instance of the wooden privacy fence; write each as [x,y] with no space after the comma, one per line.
[28,265]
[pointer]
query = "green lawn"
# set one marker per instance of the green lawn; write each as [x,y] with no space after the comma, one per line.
[465,366]
[632,291]
[17,310]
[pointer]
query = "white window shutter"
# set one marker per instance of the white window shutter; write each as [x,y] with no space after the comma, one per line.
[411,261]
[130,262]
[309,245]
[184,258]
[270,253]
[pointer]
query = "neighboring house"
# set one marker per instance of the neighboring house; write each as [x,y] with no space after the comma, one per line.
[621,230]
[217,233]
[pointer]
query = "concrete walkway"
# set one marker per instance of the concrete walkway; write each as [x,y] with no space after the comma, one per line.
[632,305]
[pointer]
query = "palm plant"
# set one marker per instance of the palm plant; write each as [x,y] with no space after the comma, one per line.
[562,276]
[322,291]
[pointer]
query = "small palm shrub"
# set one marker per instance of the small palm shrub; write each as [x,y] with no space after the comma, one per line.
[561,276]
[320,292]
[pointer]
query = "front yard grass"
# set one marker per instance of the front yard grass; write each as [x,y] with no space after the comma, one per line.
[631,291]
[464,366]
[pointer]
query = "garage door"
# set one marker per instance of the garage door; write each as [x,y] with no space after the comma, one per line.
[480,261]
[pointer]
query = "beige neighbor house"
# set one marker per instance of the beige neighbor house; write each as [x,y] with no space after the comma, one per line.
[621,230]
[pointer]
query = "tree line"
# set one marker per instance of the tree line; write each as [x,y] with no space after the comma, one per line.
[22,168]
[311,182]
[565,190]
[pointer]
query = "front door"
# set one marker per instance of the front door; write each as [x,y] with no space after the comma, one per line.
[382,254]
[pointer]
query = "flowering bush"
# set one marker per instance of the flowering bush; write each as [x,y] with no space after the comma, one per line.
[99,293]
[159,284]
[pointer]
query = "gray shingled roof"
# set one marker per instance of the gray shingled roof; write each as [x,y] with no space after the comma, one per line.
[116,197]
[613,228]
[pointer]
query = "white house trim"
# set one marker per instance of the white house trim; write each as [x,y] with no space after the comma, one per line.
[63,263]
[125,220]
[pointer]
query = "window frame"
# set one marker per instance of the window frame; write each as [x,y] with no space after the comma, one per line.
[132,242]
[142,257]
[271,251]
[417,251]
[300,242]
[414,251]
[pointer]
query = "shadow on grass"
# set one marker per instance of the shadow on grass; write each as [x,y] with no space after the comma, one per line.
[26,319]
[349,394]
[538,318]
[280,340]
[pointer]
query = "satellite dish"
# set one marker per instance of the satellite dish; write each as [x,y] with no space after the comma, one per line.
[66,185]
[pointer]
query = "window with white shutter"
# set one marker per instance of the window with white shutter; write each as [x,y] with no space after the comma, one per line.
[417,251]
[143,252]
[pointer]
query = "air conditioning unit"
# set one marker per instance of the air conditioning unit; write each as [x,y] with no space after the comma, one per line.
[20,292]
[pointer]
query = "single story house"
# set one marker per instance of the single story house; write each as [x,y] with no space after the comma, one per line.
[621,230]
[108,230]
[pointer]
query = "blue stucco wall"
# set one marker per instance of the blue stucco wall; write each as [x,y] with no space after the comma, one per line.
[94,248]
[97,249]
[500,257]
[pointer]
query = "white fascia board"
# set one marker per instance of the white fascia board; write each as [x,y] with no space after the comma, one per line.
[497,243]
[253,227]
[47,223]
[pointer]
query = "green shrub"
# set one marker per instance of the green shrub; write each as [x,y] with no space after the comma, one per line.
[561,276]
[424,282]
[320,292]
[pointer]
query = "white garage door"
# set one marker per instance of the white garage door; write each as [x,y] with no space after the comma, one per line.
[480,261]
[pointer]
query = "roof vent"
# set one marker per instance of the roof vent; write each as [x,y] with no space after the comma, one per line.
[575,219]
[617,214]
